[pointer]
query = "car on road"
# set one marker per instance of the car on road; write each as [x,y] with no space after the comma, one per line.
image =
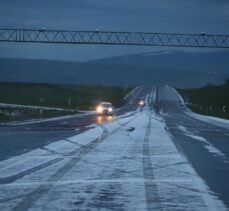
[105,108]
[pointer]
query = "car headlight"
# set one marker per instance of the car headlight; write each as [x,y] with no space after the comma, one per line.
[110,109]
[99,109]
[141,102]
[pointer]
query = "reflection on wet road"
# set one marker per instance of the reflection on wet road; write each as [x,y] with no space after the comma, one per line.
[101,119]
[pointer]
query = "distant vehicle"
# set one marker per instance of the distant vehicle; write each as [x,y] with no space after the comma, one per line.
[141,102]
[105,108]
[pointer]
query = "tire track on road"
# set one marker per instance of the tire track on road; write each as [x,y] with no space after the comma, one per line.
[10,179]
[153,199]
[31,198]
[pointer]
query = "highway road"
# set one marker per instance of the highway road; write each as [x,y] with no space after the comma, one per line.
[160,158]
[22,137]
[205,145]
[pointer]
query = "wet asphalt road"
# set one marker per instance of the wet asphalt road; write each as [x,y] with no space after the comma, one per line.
[15,140]
[206,147]
[188,133]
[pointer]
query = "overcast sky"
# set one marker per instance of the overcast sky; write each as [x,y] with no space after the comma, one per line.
[210,16]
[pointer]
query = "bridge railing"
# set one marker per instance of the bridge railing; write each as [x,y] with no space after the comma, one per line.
[115,38]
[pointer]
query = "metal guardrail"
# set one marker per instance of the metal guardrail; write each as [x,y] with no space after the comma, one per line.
[201,40]
[7,105]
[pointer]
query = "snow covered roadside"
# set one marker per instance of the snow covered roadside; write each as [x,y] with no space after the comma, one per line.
[181,99]
[209,119]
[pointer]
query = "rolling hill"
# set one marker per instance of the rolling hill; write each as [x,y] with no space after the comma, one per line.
[176,68]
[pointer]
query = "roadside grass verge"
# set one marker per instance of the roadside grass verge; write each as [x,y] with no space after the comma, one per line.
[210,100]
[77,97]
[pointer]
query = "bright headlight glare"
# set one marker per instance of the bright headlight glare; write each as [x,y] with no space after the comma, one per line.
[109,109]
[141,102]
[99,109]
